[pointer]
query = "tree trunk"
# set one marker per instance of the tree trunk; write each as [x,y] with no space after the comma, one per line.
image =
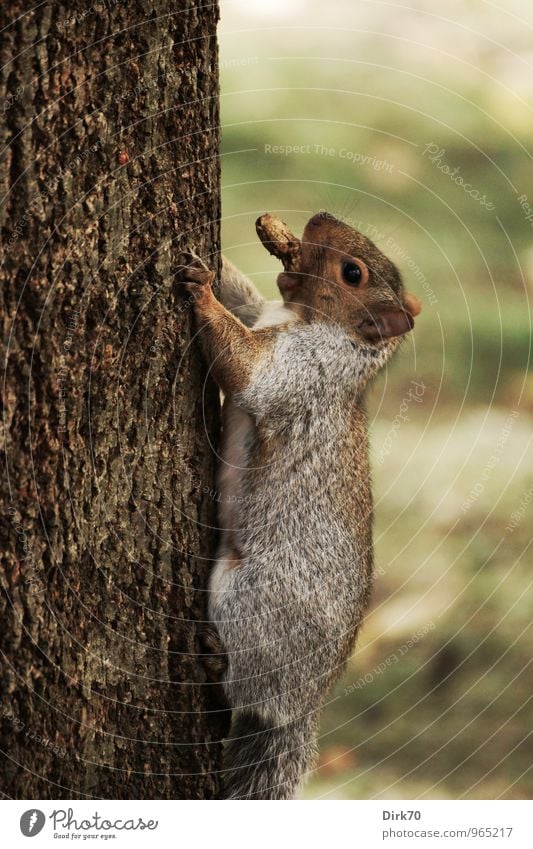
[109,171]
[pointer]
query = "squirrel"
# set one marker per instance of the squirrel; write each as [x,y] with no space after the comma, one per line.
[294,564]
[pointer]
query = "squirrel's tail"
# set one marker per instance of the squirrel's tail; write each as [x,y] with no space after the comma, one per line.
[262,761]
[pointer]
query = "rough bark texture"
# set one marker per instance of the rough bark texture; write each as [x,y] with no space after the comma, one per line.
[109,170]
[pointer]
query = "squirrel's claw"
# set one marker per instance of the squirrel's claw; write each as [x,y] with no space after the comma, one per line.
[196,271]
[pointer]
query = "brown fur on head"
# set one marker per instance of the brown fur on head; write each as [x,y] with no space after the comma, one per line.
[337,273]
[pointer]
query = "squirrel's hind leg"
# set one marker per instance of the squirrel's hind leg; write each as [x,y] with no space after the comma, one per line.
[264,760]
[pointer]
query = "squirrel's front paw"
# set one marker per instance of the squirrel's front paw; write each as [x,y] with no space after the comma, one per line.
[196,272]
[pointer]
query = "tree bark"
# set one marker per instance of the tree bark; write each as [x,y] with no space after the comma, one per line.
[109,171]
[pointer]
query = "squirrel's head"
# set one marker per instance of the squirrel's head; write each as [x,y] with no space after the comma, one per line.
[337,272]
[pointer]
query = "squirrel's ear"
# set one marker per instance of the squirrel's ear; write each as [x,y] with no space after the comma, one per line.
[386,324]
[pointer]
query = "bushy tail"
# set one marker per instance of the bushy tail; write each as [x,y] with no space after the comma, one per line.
[262,761]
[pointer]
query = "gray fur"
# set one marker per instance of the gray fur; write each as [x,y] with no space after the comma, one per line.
[239,295]
[294,565]
[288,614]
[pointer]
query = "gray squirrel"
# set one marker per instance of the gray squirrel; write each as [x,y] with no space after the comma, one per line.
[294,566]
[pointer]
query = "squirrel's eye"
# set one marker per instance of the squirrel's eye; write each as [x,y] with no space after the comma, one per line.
[352,273]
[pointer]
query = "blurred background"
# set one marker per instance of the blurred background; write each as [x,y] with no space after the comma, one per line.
[414,123]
